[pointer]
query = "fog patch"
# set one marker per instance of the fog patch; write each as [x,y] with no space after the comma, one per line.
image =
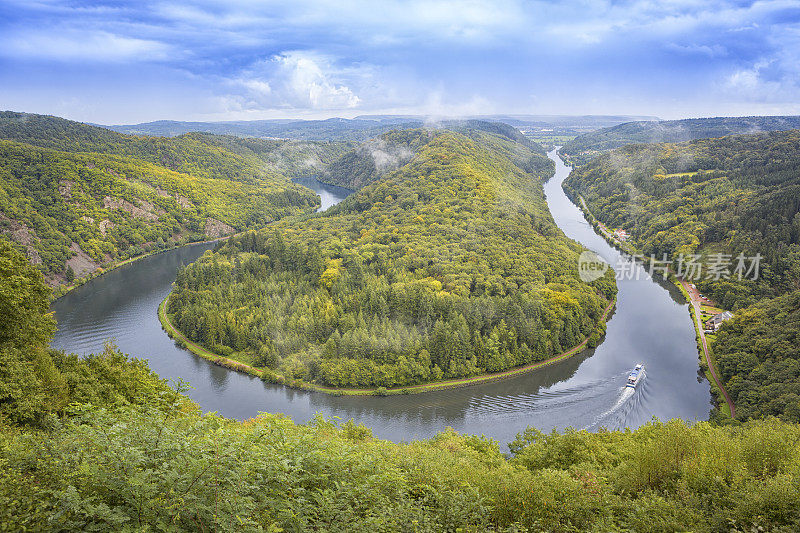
[387,157]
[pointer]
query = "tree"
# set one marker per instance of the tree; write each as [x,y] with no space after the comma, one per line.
[24,302]
[30,385]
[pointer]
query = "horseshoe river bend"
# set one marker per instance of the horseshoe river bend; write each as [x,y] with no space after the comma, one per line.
[650,324]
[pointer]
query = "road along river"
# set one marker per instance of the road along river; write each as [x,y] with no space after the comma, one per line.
[650,324]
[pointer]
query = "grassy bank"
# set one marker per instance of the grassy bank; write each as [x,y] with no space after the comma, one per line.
[272,377]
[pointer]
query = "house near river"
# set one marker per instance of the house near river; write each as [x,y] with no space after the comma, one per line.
[715,322]
[621,235]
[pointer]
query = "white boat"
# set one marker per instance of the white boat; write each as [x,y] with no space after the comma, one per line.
[635,376]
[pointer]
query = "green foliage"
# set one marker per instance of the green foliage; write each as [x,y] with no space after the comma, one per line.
[24,302]
[448,267]
[124,452]
[107,197]
[28,381]
[36,381]
[134,468]
[737,195]
[758,354]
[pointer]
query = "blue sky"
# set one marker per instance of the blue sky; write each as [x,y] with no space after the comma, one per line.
[124,62]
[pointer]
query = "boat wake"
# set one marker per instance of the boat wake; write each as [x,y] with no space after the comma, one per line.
[627,392]
[548,400]
[627,401]
[582,405]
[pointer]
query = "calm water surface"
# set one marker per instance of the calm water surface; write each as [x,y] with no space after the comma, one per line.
[328,194]
[649,325]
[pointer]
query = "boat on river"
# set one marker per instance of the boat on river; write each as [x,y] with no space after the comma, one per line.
[635,376]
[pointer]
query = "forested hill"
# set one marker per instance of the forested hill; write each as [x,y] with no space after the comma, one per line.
[374,158]
[361,129]
[100,443]
[199,154]
[584,147]
[448,267]
[73,213]
[501,129]
[734,195]
[76,197]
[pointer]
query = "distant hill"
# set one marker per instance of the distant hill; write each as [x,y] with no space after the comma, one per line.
[212,156]
[590,122]
[374,158]
[584,147]
[364,127]
[334,129]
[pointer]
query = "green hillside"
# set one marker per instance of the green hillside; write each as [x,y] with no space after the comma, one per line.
[758,354]
[291,158]
[584,147]
[737,195]
[198,154]
[370,160]
[448,267]
[79,211]
[377,157]
[77,197]
[100,443]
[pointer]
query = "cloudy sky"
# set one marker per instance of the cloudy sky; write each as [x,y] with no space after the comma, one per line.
[124,62]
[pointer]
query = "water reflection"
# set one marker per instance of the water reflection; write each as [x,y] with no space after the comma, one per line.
[329,195]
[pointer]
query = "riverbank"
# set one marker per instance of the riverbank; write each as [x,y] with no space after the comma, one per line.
[61,290]
[704,351]
[272,377]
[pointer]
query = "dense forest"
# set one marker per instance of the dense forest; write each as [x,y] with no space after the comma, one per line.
[737,195]
[372,159]
[101,443]
[449,266]
[78,197]
[758,354]
[584,147]
[75,212]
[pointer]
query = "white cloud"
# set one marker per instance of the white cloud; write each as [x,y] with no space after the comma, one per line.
[304,78]
[750,84]
[82,46]
[259,88]
[297,80]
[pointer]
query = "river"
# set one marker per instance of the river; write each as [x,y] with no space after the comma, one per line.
[650,324]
